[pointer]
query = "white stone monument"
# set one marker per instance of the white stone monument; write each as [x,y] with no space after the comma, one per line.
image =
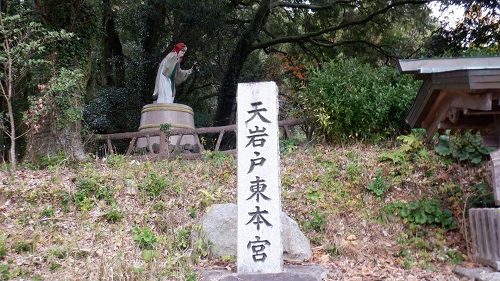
[260,246]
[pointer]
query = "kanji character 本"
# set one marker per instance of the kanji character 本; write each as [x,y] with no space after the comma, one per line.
[258,218]
[257,188]
[257,139]
[257,112]
[258,249]
[256,162]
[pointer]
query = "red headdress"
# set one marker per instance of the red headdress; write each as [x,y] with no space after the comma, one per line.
[179,47]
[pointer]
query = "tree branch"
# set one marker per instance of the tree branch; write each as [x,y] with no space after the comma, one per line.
[306,36]
[309,6]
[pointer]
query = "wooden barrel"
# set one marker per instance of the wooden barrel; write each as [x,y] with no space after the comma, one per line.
[176,114]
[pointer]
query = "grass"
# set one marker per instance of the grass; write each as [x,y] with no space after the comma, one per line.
[123,219]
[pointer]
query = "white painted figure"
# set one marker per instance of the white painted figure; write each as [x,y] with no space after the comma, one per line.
[170,74]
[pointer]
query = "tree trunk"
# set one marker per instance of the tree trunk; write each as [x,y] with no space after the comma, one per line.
[152,26]
[243,49]
[12,151]
[8,98]
[114,64]
[227,92]
[49,141]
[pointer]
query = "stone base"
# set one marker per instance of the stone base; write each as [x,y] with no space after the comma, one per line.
[219,226]
[156,114]
[291,273]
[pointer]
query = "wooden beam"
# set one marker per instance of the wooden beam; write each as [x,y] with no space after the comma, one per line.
[131,146]
[475,102]
[464,123]
[155,133]
[449,101]
[219,140]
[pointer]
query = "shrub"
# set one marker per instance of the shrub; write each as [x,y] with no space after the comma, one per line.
[349,100]
[110,111]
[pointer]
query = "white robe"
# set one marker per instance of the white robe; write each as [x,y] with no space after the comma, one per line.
[164,86]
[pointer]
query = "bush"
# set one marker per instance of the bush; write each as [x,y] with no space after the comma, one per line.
[114,110]
[350,100]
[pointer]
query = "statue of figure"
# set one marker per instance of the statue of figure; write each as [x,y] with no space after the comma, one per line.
[170,74]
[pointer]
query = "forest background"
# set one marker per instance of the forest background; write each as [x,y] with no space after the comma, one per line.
[73,68]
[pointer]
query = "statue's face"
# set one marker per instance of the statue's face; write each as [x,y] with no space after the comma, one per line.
[182,52]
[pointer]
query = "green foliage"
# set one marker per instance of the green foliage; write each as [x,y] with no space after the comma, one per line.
[47,212]
[9,272]
[23,247]
[428,212]
[481,196]
[317,222]
[413,143]
[48,161]
[314,194]
[23,41]
[166,127]
[217,157]
[350,100]
[113,214]
[183,239]
[466,147]
[59,252]
[476,33]
[333,250]
[455,256]
[145,238]
[61,102]
[116,160]
[378,185]
[153,185]
[110,110]
[89,190]
[149,255]
[3,247]
[23,45]
[290,145]
[411,152]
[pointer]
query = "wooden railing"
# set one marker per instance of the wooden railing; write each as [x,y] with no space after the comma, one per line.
[164,149]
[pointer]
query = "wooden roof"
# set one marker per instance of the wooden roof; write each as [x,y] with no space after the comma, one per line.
[456,94]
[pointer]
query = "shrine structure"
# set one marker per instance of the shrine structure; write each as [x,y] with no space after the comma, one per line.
[462,94]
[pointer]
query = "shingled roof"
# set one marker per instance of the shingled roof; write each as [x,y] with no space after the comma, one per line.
[456,94]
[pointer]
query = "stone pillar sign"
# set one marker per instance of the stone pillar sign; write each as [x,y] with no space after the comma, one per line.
[260,248]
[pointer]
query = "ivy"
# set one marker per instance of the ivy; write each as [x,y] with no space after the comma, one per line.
[60,98]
